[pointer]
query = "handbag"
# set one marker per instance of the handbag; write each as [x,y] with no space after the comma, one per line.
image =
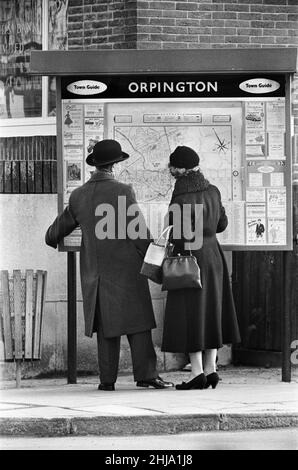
[181,272]
[155,254]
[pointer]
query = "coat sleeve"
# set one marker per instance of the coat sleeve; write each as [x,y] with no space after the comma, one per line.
[142,242]
[62,226]
[223,219]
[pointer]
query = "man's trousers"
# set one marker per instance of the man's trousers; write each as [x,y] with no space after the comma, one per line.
[142,353]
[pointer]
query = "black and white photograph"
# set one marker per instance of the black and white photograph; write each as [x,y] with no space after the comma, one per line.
[149,228]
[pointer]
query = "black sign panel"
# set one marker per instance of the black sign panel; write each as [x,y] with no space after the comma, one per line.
[174,86]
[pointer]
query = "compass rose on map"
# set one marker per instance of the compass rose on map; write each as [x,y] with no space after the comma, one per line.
[222,145]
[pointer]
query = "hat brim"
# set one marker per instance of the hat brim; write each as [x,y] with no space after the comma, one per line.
[90,160]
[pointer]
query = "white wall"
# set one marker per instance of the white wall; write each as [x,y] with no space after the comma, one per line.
[24,220]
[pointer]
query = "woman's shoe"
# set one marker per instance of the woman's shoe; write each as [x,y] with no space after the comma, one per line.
[198,382]
[212,379]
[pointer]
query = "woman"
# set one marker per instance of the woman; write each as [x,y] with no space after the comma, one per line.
[198,320]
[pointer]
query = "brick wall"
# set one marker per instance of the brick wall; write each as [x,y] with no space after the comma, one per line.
[163,24]
[211,23]
[100,24]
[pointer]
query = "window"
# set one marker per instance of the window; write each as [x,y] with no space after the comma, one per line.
[28,103]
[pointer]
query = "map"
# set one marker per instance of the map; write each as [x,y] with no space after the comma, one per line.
[150,131]
[149,148]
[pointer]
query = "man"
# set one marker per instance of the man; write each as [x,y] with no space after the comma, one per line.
[260,229]
[116,297]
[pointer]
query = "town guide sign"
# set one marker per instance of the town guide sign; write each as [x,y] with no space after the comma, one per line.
[86,87]
[169,87]
[177,86]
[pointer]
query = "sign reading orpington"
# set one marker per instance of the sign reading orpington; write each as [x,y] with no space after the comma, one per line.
[173,86]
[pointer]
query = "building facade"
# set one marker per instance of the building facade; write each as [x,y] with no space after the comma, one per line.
[28,158]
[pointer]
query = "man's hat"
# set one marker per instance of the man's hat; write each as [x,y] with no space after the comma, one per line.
[105,152]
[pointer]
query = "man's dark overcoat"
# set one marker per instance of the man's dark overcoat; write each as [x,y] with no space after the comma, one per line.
[109,267]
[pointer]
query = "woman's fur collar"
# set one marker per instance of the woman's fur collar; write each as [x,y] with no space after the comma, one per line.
[191,183]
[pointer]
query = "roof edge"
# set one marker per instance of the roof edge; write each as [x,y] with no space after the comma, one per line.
[82,62]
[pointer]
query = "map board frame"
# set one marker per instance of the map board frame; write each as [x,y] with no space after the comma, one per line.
[232,93]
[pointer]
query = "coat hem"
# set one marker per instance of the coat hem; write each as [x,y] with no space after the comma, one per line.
[139,329]
[199,348]
[193,350]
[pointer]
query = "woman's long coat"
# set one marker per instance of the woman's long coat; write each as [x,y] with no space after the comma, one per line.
[109,267]
[198,319]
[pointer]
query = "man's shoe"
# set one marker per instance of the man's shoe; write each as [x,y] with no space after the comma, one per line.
[106,387]
[157,382]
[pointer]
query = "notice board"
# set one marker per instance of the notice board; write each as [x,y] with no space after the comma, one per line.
[236,123]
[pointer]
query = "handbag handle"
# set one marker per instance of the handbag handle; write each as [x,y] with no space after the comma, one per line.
[166,231]
[190,252]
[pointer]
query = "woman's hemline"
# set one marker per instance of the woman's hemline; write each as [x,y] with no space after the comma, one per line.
[200,348]
[192,350]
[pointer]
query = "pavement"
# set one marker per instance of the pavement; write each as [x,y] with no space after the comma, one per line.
[245,399]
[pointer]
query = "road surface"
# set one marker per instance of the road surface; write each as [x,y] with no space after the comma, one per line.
[271,439]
